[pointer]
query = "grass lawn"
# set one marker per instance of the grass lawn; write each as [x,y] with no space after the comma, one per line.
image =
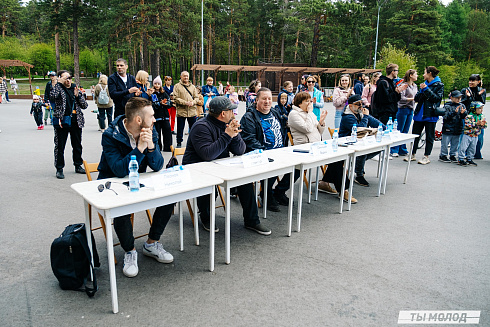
[86,82]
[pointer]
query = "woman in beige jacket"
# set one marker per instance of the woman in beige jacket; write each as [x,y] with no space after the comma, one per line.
[104,109]
[340,96]
[303,122]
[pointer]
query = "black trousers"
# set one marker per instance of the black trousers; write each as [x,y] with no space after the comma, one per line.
[333,175]
[124,228]
[246,195]
[283,184]
[181,126]
[38,117]
[164,134]
[60,138]
[430,134]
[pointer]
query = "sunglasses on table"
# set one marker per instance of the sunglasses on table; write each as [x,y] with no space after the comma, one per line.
[107,186]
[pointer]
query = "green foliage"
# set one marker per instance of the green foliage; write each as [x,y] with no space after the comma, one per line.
[448,75]
[390,54]
[43,58]
[463,71]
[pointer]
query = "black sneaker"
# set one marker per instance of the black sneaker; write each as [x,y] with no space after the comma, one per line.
[261,229]
[59,174]
[453,159]
[361,181]
[282,199]
[444,159]
[79,170]
[471,163]
[272,204]
[206,226]
[463,163]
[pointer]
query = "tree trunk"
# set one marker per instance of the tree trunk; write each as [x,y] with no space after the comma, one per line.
[315,43]
[76,50]
[296,46]
[57,47]
[109,55]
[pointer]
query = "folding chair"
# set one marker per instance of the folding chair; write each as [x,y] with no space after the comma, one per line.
[92,168]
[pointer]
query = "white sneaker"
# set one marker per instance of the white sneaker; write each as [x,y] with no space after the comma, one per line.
[130,267]
[394,155]
[158,253]
[424,161]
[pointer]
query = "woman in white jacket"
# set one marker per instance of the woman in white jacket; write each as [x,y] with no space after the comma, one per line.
[303,122]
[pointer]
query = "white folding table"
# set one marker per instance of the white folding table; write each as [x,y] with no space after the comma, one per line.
[399,139]
[111,206]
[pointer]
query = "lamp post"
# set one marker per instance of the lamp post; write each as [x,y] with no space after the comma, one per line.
[377,28]
[202,41]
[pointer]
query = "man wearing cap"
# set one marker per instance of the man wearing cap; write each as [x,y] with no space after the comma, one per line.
[214,137]
[354,113]
[47,99]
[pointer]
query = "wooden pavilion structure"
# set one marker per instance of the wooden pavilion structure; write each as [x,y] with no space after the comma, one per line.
[17,63]
[279,72]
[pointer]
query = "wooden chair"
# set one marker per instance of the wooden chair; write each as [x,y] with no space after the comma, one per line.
[92,168]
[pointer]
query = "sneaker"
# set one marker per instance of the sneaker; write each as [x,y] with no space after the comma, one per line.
[394,155]
[462,163]
[174,133]
[444,159]
[207,227]
[261,229]
[346,198]
[412,158]
[42,126]
[361,181]
[471,163]
[282,199]
[453,159]
[157,252]
[272,204]
[45,122]
[130,266]
[425,160]
[79,170]
[325,187]
[59,174]
[39,128]
[390,157]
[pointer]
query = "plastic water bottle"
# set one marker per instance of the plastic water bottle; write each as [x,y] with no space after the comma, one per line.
[134,176]
[395,126]
[353,135]
[379,134]
[390,125]
[335,141]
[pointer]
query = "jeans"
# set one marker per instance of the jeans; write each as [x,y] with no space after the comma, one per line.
[101,116]
[60,138]
[338,117]
[181,125]
[124,228]
[468,146]
[446,140]
[164,134]
[479,145]
[38,117]
[334,175]
[404,119]
[430,133]
[246,195]
[360,162]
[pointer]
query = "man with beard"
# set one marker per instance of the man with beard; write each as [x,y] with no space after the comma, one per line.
[122,87]
[68,119]
[128,135]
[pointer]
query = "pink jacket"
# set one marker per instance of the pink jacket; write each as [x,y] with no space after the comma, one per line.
[339,98]
[367,92]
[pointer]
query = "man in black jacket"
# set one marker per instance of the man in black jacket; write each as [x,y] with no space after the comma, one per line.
[387,95]
[134,134]
[214,137]
[122,87]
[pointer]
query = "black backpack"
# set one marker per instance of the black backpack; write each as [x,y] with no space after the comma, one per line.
[71,260]
[373,110]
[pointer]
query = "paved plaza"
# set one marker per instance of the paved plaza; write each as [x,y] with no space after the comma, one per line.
[425,245]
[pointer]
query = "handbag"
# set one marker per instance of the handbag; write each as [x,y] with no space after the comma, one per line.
[65,121]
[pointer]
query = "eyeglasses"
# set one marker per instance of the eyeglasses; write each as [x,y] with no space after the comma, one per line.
[310,82]
[69,77]
[358,103]
[107,185]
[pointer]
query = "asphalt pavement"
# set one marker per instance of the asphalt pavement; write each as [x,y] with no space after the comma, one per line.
[424,245]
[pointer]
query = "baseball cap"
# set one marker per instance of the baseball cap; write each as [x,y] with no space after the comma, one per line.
[220,104]
[354,98]
[51,73]
[456,94]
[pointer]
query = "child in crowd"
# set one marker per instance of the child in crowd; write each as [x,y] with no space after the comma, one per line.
[37,91]
[233,96]
[281,106]
[474,123]
[37,110]
[452,127]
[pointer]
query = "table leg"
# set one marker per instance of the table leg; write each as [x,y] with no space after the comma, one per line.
[342,189]
[290,208]
[351,175]
[309,186]
[110,257]
[300,201]
[212,227]
[181,226]
[227,224]
[264,200]
[408,165]
[387,161]
[196,221]
[382,156]
[89,235]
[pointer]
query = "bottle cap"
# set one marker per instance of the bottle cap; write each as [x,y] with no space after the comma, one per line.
[133,157]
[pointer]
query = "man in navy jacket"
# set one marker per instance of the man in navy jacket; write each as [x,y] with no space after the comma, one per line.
[214,137]
[134,134]
[122,87]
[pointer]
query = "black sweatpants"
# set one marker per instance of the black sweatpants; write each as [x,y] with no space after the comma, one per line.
[60,138]
[430,134]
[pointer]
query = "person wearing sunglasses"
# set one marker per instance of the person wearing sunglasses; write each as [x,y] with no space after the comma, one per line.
[316,96]
[68,119]
[355,113]
[134,134]
[340,96]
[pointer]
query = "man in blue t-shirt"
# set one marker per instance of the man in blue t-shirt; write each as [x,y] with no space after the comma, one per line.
[264,129]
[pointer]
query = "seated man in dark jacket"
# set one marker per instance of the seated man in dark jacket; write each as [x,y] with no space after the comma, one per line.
[264,128]
[214,137]
[134,134]
[354,113]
